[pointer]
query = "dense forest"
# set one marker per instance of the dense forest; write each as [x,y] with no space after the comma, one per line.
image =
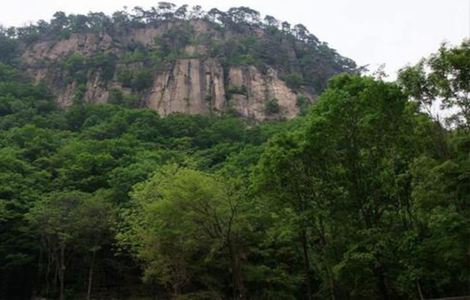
[365,195]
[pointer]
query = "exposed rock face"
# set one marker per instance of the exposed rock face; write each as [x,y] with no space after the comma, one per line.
[197,84]
[259,89]
[86,44]
[197,87]
[191,86]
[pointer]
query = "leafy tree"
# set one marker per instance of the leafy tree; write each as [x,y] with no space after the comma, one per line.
[95,215]
[106,63]
[56,222]
[142,80]
[440,235]
[75,66]
[294,81]
[271,21]
[343,172]
[444,76]
[8,47]
[243,14]
[303,103]
[60,22]
[70,223]
[116,96]
[183,222]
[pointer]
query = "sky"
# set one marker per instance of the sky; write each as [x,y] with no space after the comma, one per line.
[371,32]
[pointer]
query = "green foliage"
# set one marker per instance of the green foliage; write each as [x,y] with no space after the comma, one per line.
[172,42]
[293,81]
[79,94]
[75,66]
[8,48]
[346,181]
[445,75]
[139,79]
[272,107]
[142,80]
[22,102]
[106,63]
[78,68]
[125,76]
[236,90]
[70,223]
[116,96]
[138,55]
[160,220]
[303,103]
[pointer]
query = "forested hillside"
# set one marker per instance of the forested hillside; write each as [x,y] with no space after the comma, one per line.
[362,196]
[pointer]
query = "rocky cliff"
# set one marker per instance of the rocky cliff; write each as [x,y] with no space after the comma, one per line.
[193,65]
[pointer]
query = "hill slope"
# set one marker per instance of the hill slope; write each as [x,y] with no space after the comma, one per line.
[180,60]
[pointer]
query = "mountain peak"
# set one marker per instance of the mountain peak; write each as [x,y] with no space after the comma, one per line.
[180,59]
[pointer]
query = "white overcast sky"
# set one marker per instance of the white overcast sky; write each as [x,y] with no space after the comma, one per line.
[374,32]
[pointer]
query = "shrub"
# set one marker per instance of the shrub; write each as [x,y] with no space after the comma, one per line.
[142,79]
[272,106]
[294,81]
[303,104]
[117,97]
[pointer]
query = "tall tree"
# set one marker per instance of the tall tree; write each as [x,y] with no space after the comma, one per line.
[183,224]
[443,78]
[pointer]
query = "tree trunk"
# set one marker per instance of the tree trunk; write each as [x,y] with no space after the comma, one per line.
[50,261]
[90,275]
[306,265]
[381,282]
[154,289]
[240,287]
[332,287]
[420,291]
[62,271]
[237,277]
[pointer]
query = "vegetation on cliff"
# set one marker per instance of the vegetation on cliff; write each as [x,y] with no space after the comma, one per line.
[128,51]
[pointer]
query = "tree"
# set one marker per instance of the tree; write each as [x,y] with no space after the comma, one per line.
[301,32]
[244,15]
[341,180]
[120,19]
[8,47]
[286,27]
[445,77]
[68,224]
[196,12]
[60,21]
[76,67]
[271,21]
[98,22]
[181,12]
[439,241]
[94,222]
[217,16]
[166,9]
[272,107]
[78,23]
[294,81]
[55,220]
[182,223]
[21,186]
[280,166]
